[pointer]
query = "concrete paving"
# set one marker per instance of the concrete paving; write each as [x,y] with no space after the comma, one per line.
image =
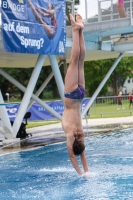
[90,124]
[53,133]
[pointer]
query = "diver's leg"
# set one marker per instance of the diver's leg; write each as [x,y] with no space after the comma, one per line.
[71,79]
[47,28]
[43,9]
[121,9]
[36,14]
[81,80]
[42,13]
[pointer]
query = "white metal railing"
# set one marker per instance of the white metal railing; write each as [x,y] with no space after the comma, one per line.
[0,14]
[107,106]
[106,10]
[101,10]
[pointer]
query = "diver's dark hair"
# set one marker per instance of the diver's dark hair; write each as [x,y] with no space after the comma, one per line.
[56,8]
[78,147]
[52,6]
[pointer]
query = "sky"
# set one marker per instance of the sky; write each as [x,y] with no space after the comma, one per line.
[0,13]
[92,7]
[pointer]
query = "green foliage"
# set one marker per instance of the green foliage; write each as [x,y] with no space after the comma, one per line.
[76,2]
[47,95]
[69,10]
[95,71]
[122,71]
[32,124]
[22,75]
[94,74]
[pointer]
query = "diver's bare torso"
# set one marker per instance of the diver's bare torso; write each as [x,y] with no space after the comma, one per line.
[71,119]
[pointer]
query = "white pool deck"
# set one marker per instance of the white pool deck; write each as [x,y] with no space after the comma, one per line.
[53,133]
[91,122]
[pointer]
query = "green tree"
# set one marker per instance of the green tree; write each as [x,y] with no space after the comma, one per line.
[4,85]
[94,74]
[22,75]
[95,71]
[69,9]
[122,71]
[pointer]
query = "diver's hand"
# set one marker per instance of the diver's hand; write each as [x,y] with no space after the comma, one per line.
[86,175]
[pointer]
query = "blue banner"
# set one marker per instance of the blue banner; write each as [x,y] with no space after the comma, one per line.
[34,26]
[40,113]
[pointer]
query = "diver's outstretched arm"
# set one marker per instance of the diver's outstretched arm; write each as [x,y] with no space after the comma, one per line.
[73,159]
[42,8]
[47,28]
[36,14]
[42,13]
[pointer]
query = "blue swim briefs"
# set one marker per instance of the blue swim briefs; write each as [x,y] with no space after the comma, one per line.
[78,93]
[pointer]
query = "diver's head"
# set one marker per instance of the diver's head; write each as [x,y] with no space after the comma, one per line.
[78,147]
[50,6]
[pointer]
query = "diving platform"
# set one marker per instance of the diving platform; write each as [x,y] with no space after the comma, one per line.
[98,41]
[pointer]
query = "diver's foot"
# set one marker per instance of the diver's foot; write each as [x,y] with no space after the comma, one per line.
[79,20]
[29,3]
[38,5]
[37,10]
[75,25]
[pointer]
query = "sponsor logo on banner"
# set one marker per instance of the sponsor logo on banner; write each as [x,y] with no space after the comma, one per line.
[20,1]
[40,113]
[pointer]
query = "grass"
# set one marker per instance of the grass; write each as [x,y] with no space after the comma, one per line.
[110,110]
[32,124]
[20,100]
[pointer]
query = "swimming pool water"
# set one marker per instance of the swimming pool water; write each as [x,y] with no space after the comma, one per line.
[47,173]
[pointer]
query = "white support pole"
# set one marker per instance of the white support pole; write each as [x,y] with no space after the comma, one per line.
[22,88]
[86,9]
[57,75]
[131,16]
[111,7]
[101,85]
[43,86]
[73,12]
[28,94]
[99,11]
[8,132]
